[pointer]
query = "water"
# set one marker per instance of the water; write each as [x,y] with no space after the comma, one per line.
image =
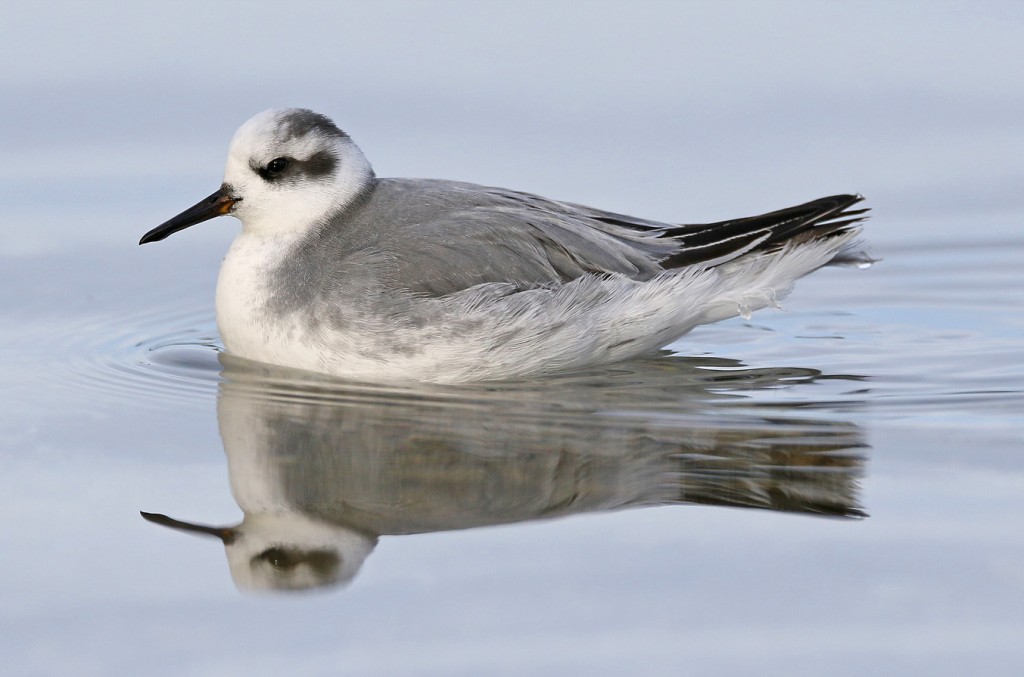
[833,488]
[871,433]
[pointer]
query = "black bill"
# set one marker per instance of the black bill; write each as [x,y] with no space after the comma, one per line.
[218,204]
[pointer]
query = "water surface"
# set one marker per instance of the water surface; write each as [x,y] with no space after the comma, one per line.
[841,480]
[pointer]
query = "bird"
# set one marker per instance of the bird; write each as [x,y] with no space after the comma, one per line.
[341,272]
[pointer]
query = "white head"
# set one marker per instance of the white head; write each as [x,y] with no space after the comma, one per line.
[290,168]
[287,169]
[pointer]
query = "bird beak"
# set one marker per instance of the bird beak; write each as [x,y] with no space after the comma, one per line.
[218,204]
[225,534]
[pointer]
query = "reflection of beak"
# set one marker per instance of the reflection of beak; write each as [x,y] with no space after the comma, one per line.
[225,534]
[218,204]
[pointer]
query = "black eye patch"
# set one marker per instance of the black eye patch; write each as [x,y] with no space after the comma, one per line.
[320,164]
[282,170]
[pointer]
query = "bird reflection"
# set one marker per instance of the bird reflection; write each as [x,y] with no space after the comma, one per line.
[321,469]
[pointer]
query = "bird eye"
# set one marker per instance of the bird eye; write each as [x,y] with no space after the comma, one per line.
[277,558]
[277,165]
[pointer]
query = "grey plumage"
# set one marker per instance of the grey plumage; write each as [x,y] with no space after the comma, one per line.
[433,237]
[341,272]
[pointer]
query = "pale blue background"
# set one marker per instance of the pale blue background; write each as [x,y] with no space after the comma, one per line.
[675,110]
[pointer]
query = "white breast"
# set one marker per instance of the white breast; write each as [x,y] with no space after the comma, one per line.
[242,292]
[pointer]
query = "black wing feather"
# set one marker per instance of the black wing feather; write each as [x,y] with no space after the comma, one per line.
[714,242]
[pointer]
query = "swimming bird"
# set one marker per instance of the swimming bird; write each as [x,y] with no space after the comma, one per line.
[341,272]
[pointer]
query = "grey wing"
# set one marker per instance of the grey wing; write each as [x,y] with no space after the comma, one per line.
[705,244]
[503,236]
[444,237]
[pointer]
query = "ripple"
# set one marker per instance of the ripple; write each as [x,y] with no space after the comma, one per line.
[164,354]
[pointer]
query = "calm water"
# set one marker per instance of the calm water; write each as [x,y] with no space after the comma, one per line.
[817,490]
[832,489]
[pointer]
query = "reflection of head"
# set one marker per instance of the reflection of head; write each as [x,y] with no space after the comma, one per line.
[285,552]
[291,552]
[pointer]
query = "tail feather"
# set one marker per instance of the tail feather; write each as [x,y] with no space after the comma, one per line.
[716,243]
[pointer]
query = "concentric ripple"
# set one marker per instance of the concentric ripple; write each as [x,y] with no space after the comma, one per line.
[164,354]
